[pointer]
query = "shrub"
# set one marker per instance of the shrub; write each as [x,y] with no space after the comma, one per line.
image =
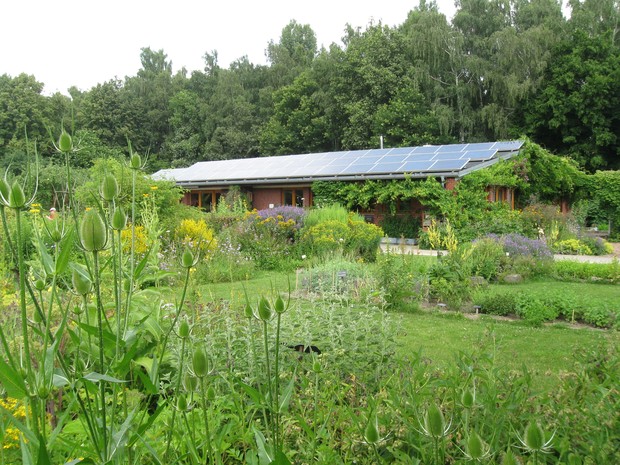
[450,278]
[227,264]
[572,247]
[338,278]
[325,237]
[536,310]
[497,304]
[487,258]
[401,226]
[598,246]
[196,235]
[402,285]
[595,272]
[334,212]
[364,239]
[140,239]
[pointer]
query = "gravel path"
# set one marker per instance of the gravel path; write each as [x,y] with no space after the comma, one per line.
[414,250]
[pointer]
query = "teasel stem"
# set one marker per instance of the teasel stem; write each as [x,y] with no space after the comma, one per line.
[34,407]
[101,354]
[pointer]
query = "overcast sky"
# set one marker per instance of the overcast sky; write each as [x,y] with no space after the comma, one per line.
[83,43]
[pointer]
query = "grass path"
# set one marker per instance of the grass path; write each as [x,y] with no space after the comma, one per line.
[546,351]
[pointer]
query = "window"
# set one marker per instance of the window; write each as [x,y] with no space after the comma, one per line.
[294,197]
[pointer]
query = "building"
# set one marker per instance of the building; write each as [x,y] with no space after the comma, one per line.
[287,180]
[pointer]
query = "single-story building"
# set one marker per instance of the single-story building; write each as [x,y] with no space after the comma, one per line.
[287,179]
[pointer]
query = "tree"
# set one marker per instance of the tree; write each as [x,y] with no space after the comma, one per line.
[577,113]
[293,54]
[298,124]
[22,109]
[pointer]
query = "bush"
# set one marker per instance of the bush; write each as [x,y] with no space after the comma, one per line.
[497,304]
[324,238]
[364,239]
[596,272]
[487,258]
[572,247]
[338,278]
[536,310]
[598,246]
[334,212]
[403,286]
[401,226]
[196,235]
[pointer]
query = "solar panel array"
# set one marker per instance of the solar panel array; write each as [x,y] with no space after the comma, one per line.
[417,161]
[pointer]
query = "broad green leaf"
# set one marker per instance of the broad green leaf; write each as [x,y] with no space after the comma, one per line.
[44,457]
[12,381]
[286,395]
[281,459]
[46,258]
[264,455]
[66,247]
[96,377]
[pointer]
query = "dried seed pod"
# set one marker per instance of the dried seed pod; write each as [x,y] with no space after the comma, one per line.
[93,232]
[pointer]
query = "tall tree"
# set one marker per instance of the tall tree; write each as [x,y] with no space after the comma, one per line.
[577,113]
[22,108]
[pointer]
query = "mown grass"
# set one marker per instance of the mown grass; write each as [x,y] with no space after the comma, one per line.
[545,352]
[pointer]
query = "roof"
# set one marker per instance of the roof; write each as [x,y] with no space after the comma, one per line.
[454,160]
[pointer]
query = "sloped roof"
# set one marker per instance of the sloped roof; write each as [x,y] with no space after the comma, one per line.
[454,160]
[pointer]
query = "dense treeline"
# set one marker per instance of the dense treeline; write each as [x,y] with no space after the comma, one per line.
[501,69]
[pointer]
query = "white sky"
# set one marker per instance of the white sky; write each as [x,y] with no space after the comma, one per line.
[86,42]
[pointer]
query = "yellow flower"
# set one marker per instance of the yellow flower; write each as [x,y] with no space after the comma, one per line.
[154,188]
[145,195]
[88,209]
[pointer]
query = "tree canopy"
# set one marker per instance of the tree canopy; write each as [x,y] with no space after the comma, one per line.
[500,69]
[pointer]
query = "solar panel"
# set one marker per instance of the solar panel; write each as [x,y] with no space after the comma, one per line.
[400,151]
[448,165]
[420,157]
[357,169]
[480,155]
[411,166]
[432,159]
[451,148]
[448,156]
[393,159]
[379,152]
[480,146]
[369,159]
[508,145]
[424,149]
[385,168]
